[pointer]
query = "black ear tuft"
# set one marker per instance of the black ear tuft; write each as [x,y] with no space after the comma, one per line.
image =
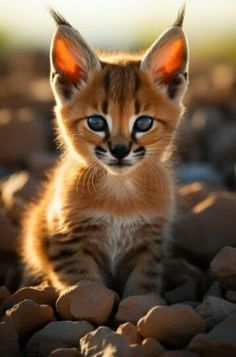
[58,18]
[180,17]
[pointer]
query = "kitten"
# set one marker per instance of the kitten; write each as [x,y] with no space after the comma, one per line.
[106,210]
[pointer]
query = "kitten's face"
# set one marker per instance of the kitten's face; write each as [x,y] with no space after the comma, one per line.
[122,114]
[120,119]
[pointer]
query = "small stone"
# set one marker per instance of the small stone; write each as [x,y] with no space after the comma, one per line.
[65,352]
[4,294]
[27,317]
[104,342]
[174,325]
[41,294]
[180,353]
[9,346]
[231,296]
[214,290]
[223,266]
[134,307]
[214,310]
[187,291]
[152,347]
[129,331]
[87,300]
[219,342]
[58,334]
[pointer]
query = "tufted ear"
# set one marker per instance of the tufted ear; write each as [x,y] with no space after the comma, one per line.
[167,60]
[72,60]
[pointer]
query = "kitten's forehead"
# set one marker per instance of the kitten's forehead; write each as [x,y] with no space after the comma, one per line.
[121,82]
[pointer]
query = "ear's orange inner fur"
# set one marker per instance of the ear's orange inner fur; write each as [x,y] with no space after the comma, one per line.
[173,57]
[65,61]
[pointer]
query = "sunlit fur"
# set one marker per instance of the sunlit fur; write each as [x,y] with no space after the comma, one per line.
[96,221]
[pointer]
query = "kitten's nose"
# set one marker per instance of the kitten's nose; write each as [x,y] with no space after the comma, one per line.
[120,150]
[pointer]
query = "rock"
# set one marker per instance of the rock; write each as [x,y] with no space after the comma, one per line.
[65,352]
[198,235]
[186,291]
[214,290]
[4,294]
[8,234]
[41,294]
[27,317]
[17,189]
[87,300]
[219,342]
[190,195]
[231,296]
[134,307]
[152,347]
[39,162]
[223,266]
[9,346]
[214,310]
[21,133]
[180,353]
[174,325]
[184,272]
[129,331]
[104,342]
[58,334]
[199,172]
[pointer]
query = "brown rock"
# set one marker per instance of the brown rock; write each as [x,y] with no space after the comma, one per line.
[174,325]
[214,290]
[132,308]
[65,352]
[214,310]
[9,346]
[17,189]
[198,235]
[27,317]
[231,296]
[58,334]
[219,342]
[21,133]
[187,291]
[184,272]
[41,161]
[104,342]
[8,234]
[152,347]
[90,301]
[191,194]
[4,294]
[223,266]
[129,331]
[180,353]
[41,294]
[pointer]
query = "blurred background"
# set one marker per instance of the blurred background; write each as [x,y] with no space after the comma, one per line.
[206,142]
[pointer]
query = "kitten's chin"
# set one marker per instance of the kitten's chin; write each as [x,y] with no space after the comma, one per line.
[117,170]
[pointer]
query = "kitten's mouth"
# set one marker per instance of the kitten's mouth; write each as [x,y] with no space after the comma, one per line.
[120,164]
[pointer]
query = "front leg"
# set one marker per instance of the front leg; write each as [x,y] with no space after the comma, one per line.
[145,275]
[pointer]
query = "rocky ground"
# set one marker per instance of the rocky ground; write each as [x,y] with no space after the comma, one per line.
[197,314]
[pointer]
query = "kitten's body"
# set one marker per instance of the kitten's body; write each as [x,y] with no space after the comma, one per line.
[103,221]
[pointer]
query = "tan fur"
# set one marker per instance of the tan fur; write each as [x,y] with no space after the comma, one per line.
[89,222]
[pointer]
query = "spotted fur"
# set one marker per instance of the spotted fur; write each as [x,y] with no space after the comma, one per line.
[94,219]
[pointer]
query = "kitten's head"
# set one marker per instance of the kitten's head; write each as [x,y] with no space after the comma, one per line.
[119,112]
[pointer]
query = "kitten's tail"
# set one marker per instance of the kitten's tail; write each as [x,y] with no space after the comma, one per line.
[180,17]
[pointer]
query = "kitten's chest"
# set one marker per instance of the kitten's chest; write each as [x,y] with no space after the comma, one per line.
[120,234]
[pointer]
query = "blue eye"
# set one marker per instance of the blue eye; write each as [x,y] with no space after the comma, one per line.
[97,123]
[143,123]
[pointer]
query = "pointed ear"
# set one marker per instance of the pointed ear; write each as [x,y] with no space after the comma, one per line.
[72,61]
[167,62]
